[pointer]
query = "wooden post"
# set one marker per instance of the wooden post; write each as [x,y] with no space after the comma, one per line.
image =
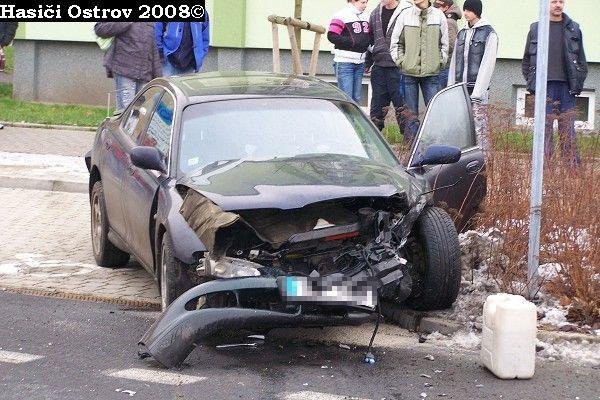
[298,16]
[291,24]
[276,59]
[314,58]
[296,64]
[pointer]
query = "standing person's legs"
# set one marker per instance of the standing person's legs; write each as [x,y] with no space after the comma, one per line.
[359,71]
[480,117]
[345,77]
[169,69]
[395,88]
[411,100]
[380,97]
[443,78]
[429,87]
[126,89]
[566,126]
[552,108]
[2,59]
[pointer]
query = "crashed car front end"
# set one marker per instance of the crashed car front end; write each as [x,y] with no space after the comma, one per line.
[325,264]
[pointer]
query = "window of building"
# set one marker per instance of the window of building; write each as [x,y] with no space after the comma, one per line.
[586,106]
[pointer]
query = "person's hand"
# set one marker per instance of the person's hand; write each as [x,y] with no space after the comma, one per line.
[367,71]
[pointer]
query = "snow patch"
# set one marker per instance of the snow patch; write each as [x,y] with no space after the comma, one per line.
[585,352]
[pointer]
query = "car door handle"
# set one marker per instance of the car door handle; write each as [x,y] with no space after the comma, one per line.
[473,167]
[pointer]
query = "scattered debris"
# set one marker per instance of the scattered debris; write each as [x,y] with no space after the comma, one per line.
[437,371]
[422,338]
[344,346]
[129,392]
[305,384]
[223,346]
[259,337]
[423,395]
[444,395]
[427,384]
[479,386]
[429,357]
[369,358]
[425,376]
[324,367]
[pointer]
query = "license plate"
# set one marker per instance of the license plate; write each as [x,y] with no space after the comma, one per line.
[334,289]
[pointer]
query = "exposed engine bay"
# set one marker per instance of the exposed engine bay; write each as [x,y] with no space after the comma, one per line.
[354,237]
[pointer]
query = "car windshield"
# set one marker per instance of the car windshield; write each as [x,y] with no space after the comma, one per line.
[262,129]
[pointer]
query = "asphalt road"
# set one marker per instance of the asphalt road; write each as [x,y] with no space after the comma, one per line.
[62,349]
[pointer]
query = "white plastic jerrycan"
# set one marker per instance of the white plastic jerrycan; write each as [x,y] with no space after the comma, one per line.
[509,334]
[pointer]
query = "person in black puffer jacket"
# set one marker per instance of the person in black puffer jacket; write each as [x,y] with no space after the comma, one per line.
[566,76]
[132,60]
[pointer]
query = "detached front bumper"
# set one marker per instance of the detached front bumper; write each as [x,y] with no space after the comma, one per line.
[171,338]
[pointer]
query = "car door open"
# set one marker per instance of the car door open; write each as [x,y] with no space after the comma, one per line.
[461,186]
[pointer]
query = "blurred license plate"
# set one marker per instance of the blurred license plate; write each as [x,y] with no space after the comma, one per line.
[329,290]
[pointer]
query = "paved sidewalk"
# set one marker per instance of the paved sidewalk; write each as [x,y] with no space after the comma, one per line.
[44,159]
[45,233]
[46,247]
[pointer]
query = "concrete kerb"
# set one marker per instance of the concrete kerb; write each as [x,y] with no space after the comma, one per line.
[43,184]
[418,321]
[132,302]
[45,126]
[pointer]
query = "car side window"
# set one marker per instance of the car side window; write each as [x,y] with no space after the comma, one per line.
[140,111]
[448,121]
[159,129]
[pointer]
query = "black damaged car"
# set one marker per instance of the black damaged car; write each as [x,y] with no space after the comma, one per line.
[264,200]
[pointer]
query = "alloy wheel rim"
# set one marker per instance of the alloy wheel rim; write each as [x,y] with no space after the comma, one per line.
[96,224]
[163,278]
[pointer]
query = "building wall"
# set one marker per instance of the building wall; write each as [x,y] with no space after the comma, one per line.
[60,62]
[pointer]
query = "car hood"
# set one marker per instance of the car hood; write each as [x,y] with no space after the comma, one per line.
[288,183]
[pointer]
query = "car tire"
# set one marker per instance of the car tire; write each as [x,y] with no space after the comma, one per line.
[105,253]
[174,279]
[436,259]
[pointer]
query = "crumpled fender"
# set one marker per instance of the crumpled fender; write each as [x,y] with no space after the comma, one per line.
[172,337]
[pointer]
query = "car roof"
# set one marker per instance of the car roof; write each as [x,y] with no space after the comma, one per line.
[222,85]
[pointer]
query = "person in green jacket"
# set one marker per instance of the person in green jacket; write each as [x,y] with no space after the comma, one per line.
[419,47]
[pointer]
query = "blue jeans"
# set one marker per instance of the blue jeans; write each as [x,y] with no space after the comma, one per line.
[443,78]
[169,69]
[126,89]
[561,106]
[349,79]
[429,86]
[387,84]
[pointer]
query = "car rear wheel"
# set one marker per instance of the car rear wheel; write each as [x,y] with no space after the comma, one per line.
[174,279]
[105,253]
[435,255]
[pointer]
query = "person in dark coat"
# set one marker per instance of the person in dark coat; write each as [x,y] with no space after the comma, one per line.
[132,60]
[566,75]
[7,34]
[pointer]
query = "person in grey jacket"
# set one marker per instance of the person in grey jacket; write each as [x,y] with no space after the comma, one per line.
[387,82]
[473,62]
[132,60]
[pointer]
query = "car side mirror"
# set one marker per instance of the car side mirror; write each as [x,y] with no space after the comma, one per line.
[436,155]
[148,157]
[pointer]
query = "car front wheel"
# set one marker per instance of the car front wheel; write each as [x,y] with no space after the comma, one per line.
[174,279]
[105,253]
[435,255]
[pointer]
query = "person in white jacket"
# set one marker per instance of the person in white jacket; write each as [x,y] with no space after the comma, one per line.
[473,62]
[350,32]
